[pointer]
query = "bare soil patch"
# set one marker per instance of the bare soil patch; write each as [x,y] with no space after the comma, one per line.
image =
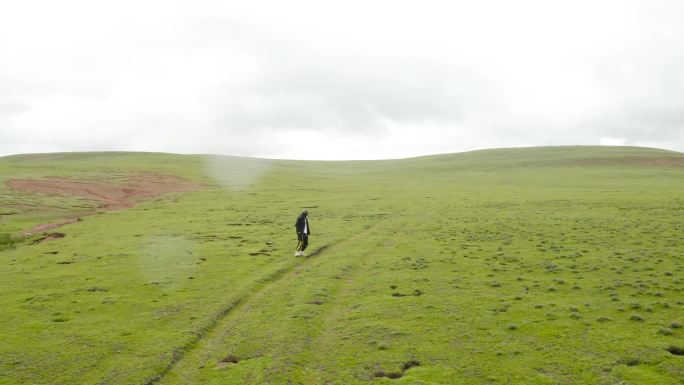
[111,196]
[394,375]
[48,237]
[50,226]
[227,361]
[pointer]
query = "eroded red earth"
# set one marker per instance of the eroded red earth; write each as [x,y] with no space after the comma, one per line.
[112,196]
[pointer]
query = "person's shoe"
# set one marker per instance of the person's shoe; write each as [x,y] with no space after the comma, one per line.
[302,254]
[297,253]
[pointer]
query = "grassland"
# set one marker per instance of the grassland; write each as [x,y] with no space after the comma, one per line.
[515,266]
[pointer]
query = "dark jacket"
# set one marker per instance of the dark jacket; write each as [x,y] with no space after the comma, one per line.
[299,225]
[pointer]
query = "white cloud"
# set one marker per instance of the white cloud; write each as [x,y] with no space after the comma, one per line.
[613,142]
[307,79]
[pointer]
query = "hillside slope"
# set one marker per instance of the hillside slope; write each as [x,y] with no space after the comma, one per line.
[511,266]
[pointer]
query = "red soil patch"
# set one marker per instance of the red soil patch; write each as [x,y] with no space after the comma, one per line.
[112,196]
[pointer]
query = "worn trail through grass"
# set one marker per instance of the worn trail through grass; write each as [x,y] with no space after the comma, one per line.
[234,307]
[217,351]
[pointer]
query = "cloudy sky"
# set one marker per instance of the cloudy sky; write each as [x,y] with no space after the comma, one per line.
[339,79]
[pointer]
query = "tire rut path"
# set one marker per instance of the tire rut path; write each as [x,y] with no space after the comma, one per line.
[336,309]
[242,303]
[254,290]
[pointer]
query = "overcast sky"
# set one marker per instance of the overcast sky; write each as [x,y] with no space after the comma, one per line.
[339,79]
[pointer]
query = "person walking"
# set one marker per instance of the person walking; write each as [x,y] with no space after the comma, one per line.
[303,231]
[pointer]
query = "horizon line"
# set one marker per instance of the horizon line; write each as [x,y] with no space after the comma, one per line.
[337,160]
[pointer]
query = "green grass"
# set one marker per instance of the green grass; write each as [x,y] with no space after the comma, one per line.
[514,266]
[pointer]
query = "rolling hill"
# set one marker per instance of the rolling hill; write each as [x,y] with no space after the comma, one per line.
[548,265]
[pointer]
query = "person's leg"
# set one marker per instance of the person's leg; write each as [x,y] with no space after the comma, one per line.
[305,241]
[299,244]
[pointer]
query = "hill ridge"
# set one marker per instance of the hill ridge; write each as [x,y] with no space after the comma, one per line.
[563,148]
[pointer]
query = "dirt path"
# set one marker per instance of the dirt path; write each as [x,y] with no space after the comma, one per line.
[235,307]
[49,226]
[238,312]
